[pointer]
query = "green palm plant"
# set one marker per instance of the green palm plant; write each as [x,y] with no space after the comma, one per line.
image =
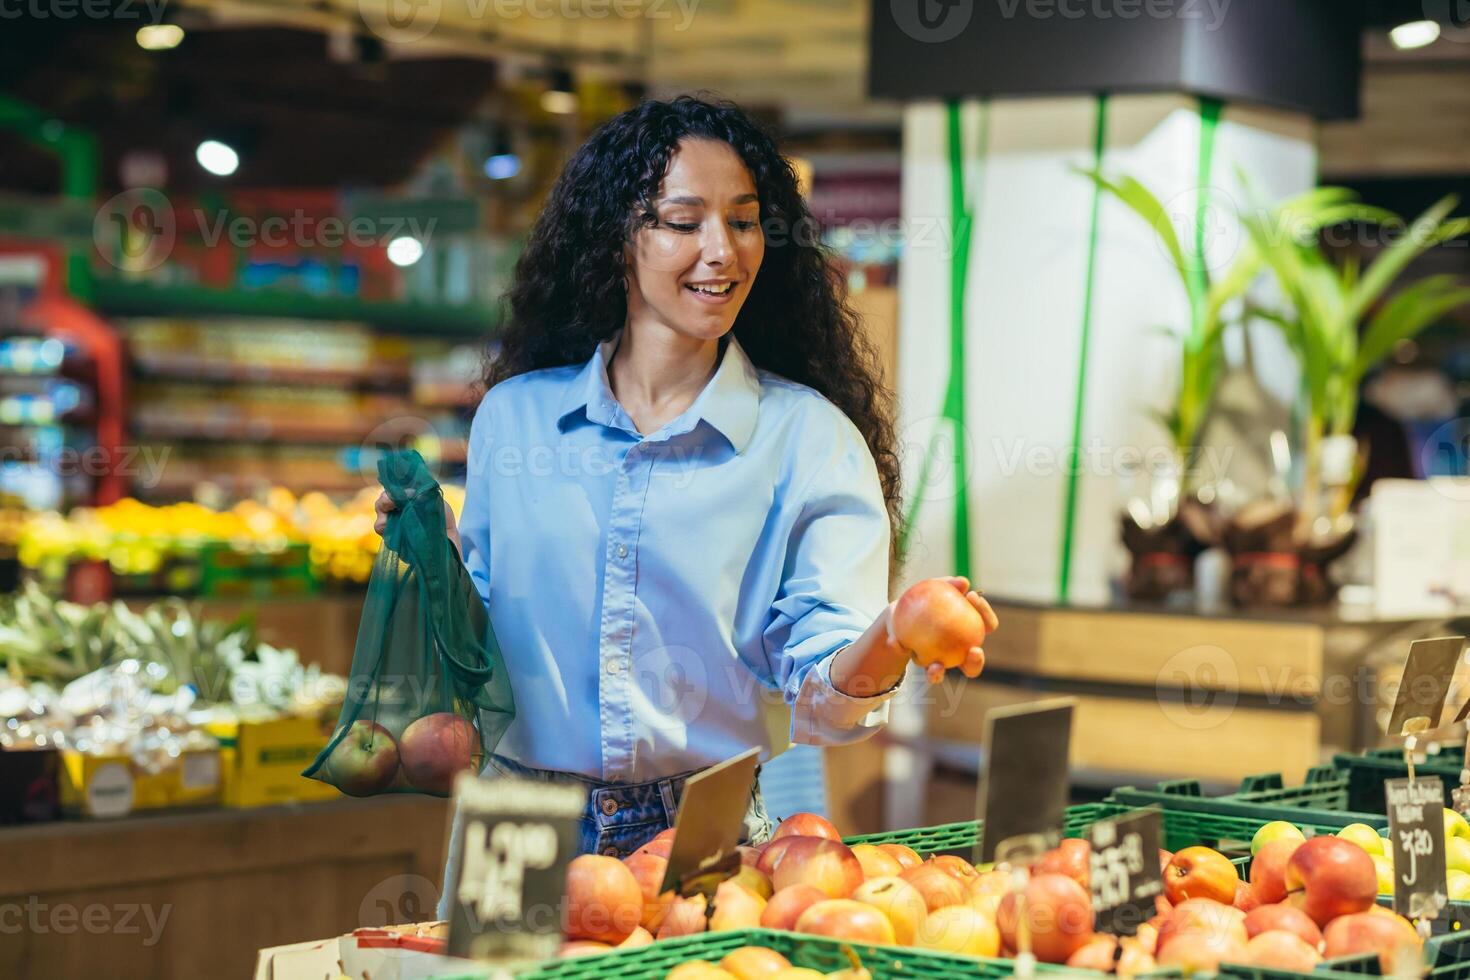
[1202,358]
[1331,301]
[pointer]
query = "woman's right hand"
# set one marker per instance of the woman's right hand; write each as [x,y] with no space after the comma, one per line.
[384,505]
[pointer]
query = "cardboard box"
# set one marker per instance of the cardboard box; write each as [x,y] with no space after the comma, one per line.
[262,761]
[315,960]
[107,786]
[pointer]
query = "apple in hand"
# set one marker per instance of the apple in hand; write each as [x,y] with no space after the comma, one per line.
[938,622]
[364,761]
[1200,872]
[436,748]
[1328,877]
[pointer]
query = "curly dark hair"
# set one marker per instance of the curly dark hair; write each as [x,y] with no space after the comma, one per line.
[570,293]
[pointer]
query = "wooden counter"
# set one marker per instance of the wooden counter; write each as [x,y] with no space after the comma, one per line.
[1166,694]
[191,895]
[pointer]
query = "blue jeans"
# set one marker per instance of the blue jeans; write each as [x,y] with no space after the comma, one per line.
[621,817]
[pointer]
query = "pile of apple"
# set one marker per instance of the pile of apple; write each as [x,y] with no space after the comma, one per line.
[1306,900]
[1456,850]
[432,750]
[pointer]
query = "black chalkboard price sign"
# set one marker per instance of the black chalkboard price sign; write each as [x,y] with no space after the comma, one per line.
[1416,828]
[1124,872]
[507,868]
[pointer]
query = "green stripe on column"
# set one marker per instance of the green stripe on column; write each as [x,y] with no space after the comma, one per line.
[1069,517]
[952,410]
[1209,123]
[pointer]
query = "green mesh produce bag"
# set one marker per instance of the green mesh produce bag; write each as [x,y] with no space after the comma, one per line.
[428,696]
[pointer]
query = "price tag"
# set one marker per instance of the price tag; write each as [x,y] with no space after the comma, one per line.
[1125,872]
[710,824]
[507,871]
[1024,785]
[1416,828]
[1424,686]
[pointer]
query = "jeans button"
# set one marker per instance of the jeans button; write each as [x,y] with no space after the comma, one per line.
[609,806]
[611,851]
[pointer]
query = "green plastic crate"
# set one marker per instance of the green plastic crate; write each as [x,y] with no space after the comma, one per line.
[1449,956]
[1320,805]
[1365,774]
[1183,827]
[827,955]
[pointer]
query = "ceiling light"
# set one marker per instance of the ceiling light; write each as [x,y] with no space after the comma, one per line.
[218,158]
[1414,34]
[159,37]
[405,251]
[560,96]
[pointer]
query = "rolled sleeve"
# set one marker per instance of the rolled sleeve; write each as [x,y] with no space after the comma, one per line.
[834,584]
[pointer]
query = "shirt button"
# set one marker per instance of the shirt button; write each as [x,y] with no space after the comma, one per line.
[622,551]
[614,666]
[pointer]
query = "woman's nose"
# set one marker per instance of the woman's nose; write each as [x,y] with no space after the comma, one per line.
[718,249]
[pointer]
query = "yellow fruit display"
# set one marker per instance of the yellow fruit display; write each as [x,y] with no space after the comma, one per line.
[1364,836]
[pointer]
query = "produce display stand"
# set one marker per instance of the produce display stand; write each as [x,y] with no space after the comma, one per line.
[1320,802]
[218,884]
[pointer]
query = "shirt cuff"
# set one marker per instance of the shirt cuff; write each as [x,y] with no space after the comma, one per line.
[822,714]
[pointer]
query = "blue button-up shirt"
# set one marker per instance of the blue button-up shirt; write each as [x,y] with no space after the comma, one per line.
[667,601]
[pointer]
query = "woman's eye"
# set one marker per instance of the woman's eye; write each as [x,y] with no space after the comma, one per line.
[681,226]
[742,225]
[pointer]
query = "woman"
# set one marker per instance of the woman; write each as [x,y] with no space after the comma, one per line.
[682,479]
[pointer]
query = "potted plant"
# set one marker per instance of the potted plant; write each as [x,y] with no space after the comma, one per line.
[1340,327]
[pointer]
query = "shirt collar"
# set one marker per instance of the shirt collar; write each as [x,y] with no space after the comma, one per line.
[729,403]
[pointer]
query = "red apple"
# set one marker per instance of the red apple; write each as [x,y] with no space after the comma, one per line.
[1096,954]
[827,864]
[773,851]
[1328,877]
[736,908]
[648,870]
[749,856]
[1204,915]
[1282,950]
[956,867]
[1268,870]
[935,620]
[986,890]
[686,918]
[754,881]
[1147,938]
[364,761]
[938,887]
[638,937]
[960,929]
[660,848]
[1201,952]
[1371,932]
[1072,857]
[1058,912]
[843,918]
[581,947]
[437,747]
[1164,858]
[1245,899]
[1200,872]
[1283,918]
[899,901]
[905,855]
[876,863]
[603,899]
[806,825]
[787,904]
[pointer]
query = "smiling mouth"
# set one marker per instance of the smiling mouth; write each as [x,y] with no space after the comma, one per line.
[710,289]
